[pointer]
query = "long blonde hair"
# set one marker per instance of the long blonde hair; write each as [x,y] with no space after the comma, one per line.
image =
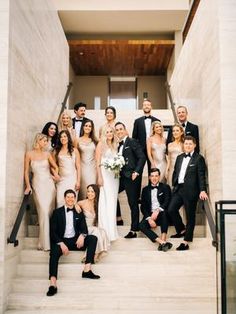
[154,123]
[60,124]
[38,137]
[104,139]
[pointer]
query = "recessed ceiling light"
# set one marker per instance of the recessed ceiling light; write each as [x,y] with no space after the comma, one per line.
[81,53]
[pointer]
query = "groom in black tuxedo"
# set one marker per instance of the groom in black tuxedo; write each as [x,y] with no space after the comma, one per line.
[130,174]
[188,185]
[142,128]
[154,204]
[69,232]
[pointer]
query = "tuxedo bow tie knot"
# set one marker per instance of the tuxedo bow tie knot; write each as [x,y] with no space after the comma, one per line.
[154,187]
[70,209]
[187,155]
[120,144]
[77,120]
[183,125]
[147,117]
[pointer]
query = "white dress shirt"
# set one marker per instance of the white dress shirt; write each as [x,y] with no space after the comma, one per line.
[78,124]
[148,123]
[70,230]
[183,168]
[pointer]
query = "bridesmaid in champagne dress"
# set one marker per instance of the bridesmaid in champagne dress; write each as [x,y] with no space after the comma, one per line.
[87,145]
[51,130]
[43,186]
[175,148]
[89,207]
[109,185]
[65,123]
[110,114]
[68,160]
[156,149]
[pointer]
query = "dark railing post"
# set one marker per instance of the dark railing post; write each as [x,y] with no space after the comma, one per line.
[172,104]
[20,215]
[63,104]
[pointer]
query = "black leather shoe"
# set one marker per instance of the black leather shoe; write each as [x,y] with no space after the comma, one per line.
[131,235]
[182,247]
[166,246]
[178,235]
[89,274]
[120,222]
[51,291]
[159,247]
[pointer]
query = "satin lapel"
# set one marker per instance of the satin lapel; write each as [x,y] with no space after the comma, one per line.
[180,164]
[125,144]
[63,219]
[74,220]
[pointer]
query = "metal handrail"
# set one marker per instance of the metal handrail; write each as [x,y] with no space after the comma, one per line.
[63,104]
[206,206]
[24,206]
[172,104]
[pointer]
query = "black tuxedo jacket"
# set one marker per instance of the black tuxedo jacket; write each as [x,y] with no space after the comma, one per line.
[190,129]
[139,131]
[134,157]
[194,180]
[58,224]
[83,123]
[163,196]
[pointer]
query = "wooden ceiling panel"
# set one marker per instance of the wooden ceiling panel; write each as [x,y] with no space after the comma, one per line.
[120,57]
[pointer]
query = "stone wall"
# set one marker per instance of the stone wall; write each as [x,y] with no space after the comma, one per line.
[196,83]
[37,80]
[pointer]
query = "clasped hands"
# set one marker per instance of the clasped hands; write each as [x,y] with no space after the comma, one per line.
[79,244]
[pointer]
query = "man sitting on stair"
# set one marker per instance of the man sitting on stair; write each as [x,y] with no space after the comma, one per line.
[154,203]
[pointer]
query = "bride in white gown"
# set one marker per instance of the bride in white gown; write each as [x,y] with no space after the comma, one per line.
[109,185]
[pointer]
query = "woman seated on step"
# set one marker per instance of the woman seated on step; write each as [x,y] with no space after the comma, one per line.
[89,206]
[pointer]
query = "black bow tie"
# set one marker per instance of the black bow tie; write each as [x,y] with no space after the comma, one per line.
[154,187]
[70,209]
[81,119]
[183,125]
[120,144]
[147,117]
[187,155]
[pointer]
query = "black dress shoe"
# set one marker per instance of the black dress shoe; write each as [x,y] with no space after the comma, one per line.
[131,235]
[120,222]
[89,274]
[159,247]
[182,247]
[178,235]
[166,246]
[51,291]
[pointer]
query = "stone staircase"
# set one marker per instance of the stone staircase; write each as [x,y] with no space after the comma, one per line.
[135,277]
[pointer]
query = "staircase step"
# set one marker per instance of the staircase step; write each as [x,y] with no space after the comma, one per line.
[199,231]
[110,302]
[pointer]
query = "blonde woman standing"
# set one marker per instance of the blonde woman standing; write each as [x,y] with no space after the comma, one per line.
[106,151]
[156,149]
[65,123]
[175,148]
[43,187]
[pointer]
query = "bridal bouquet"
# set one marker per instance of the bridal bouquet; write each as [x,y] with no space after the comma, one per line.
[114,164]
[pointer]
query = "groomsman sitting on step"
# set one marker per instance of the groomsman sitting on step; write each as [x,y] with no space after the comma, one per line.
[189,185]
[69,232]
[154,203]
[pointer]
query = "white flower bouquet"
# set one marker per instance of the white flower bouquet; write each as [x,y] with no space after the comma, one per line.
[114,164]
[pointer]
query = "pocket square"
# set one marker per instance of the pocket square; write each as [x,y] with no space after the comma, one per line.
[76,218]
[191,165]
[126,147]
[160,194]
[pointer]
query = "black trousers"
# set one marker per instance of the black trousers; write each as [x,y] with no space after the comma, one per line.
[90,243]
[161,221]
[132,191]
[179,199]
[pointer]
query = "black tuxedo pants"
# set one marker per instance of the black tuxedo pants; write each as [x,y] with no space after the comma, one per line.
[161,221]
[179,199]
[90,243]
[132,191]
